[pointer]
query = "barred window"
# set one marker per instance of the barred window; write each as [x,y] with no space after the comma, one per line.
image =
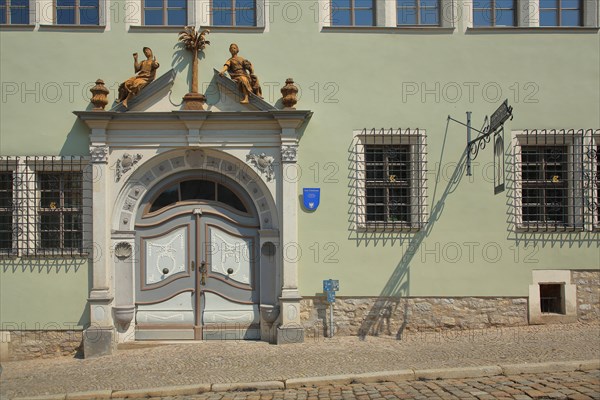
[61,210]
[6,212]
[77,12]
[14,12]
[352,13]
[494,13]
[545,185]
[390,180]
[418,12]
[165,12]
[388,183]
[234,12]
[45,206]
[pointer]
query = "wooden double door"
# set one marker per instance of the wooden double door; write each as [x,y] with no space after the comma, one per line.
[197,275]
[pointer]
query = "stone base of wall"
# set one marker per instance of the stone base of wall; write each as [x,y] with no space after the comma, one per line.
[24,345]
[588,294]
[392,316]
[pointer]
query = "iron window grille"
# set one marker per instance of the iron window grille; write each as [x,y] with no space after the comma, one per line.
[555,183]
[352,13]
[165,12]
[77,12]
[14,12]
[418,12]
[234,12]
[561,13]
[494,13]
[45,206]
[390,180]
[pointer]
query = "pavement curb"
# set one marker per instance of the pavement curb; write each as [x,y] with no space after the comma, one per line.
[400,375]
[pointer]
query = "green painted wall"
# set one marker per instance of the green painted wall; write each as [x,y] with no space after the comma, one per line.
[49,294]
[351,80]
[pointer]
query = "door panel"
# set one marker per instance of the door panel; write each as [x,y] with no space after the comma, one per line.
[197,277]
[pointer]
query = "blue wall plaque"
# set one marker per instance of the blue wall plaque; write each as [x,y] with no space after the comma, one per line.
[311,198]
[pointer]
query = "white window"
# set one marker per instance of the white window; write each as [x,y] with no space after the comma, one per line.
[387,14]
[531,13]
[228,14]
[45,206]
[389,180]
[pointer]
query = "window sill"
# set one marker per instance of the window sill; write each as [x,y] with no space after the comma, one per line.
[69,27]
[399,228]
[533,29]
[177,29]
[17,27]
[391,29]
[548,230]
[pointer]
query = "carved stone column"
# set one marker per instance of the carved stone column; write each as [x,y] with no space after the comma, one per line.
[99,337]
[290,330]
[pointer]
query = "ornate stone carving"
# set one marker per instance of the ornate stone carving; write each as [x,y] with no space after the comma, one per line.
[123,250]
[289,153]
[289,92]
[125,163]
[194,158]
[242,72]
[99,96]
[195,42]
[99,154]
[264,163]
[145,72]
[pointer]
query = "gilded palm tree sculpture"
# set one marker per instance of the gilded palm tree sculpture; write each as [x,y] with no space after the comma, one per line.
[195,42]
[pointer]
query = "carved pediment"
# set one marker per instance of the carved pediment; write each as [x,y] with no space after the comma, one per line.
[222,94]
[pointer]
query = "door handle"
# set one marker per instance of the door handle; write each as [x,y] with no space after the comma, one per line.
[193,266]
[203,272]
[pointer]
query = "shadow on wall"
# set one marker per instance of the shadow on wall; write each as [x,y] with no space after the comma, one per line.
[393,298]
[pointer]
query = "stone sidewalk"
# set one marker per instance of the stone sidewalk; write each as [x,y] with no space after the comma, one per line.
[235,361]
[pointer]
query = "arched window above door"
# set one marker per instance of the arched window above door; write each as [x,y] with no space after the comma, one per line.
[197,190]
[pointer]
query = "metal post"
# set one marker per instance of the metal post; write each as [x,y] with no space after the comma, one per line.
[330,320]
[468,143]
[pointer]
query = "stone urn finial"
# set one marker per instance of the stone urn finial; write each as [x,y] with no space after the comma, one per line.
[99,96]
[289,92]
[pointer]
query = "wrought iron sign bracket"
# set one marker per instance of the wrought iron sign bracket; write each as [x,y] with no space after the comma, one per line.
[491,125]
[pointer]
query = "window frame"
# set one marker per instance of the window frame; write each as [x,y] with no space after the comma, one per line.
[77,11]
[10,167]
[26,221]
[492,14]
[233,10]
[559,9]
[418,7]
[576,214]
[6,9]
[353,10]
[165,13]
[416,140]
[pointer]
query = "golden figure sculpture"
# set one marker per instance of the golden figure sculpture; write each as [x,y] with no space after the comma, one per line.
[145,72]
[241,71]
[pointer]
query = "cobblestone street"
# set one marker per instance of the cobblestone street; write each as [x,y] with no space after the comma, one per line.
[572,385]
[231,361]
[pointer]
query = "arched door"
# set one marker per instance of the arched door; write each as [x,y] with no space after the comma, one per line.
[197,276]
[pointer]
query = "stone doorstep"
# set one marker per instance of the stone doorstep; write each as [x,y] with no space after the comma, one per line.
[400,375]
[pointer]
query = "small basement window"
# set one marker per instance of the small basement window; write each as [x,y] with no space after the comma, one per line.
[551,298]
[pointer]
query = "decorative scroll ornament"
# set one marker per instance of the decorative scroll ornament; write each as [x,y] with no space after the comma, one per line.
[125,163]
[99,154]
[123,250]
[264,163]
[289,153]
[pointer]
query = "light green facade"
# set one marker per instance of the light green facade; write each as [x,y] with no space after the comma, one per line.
[350,79]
